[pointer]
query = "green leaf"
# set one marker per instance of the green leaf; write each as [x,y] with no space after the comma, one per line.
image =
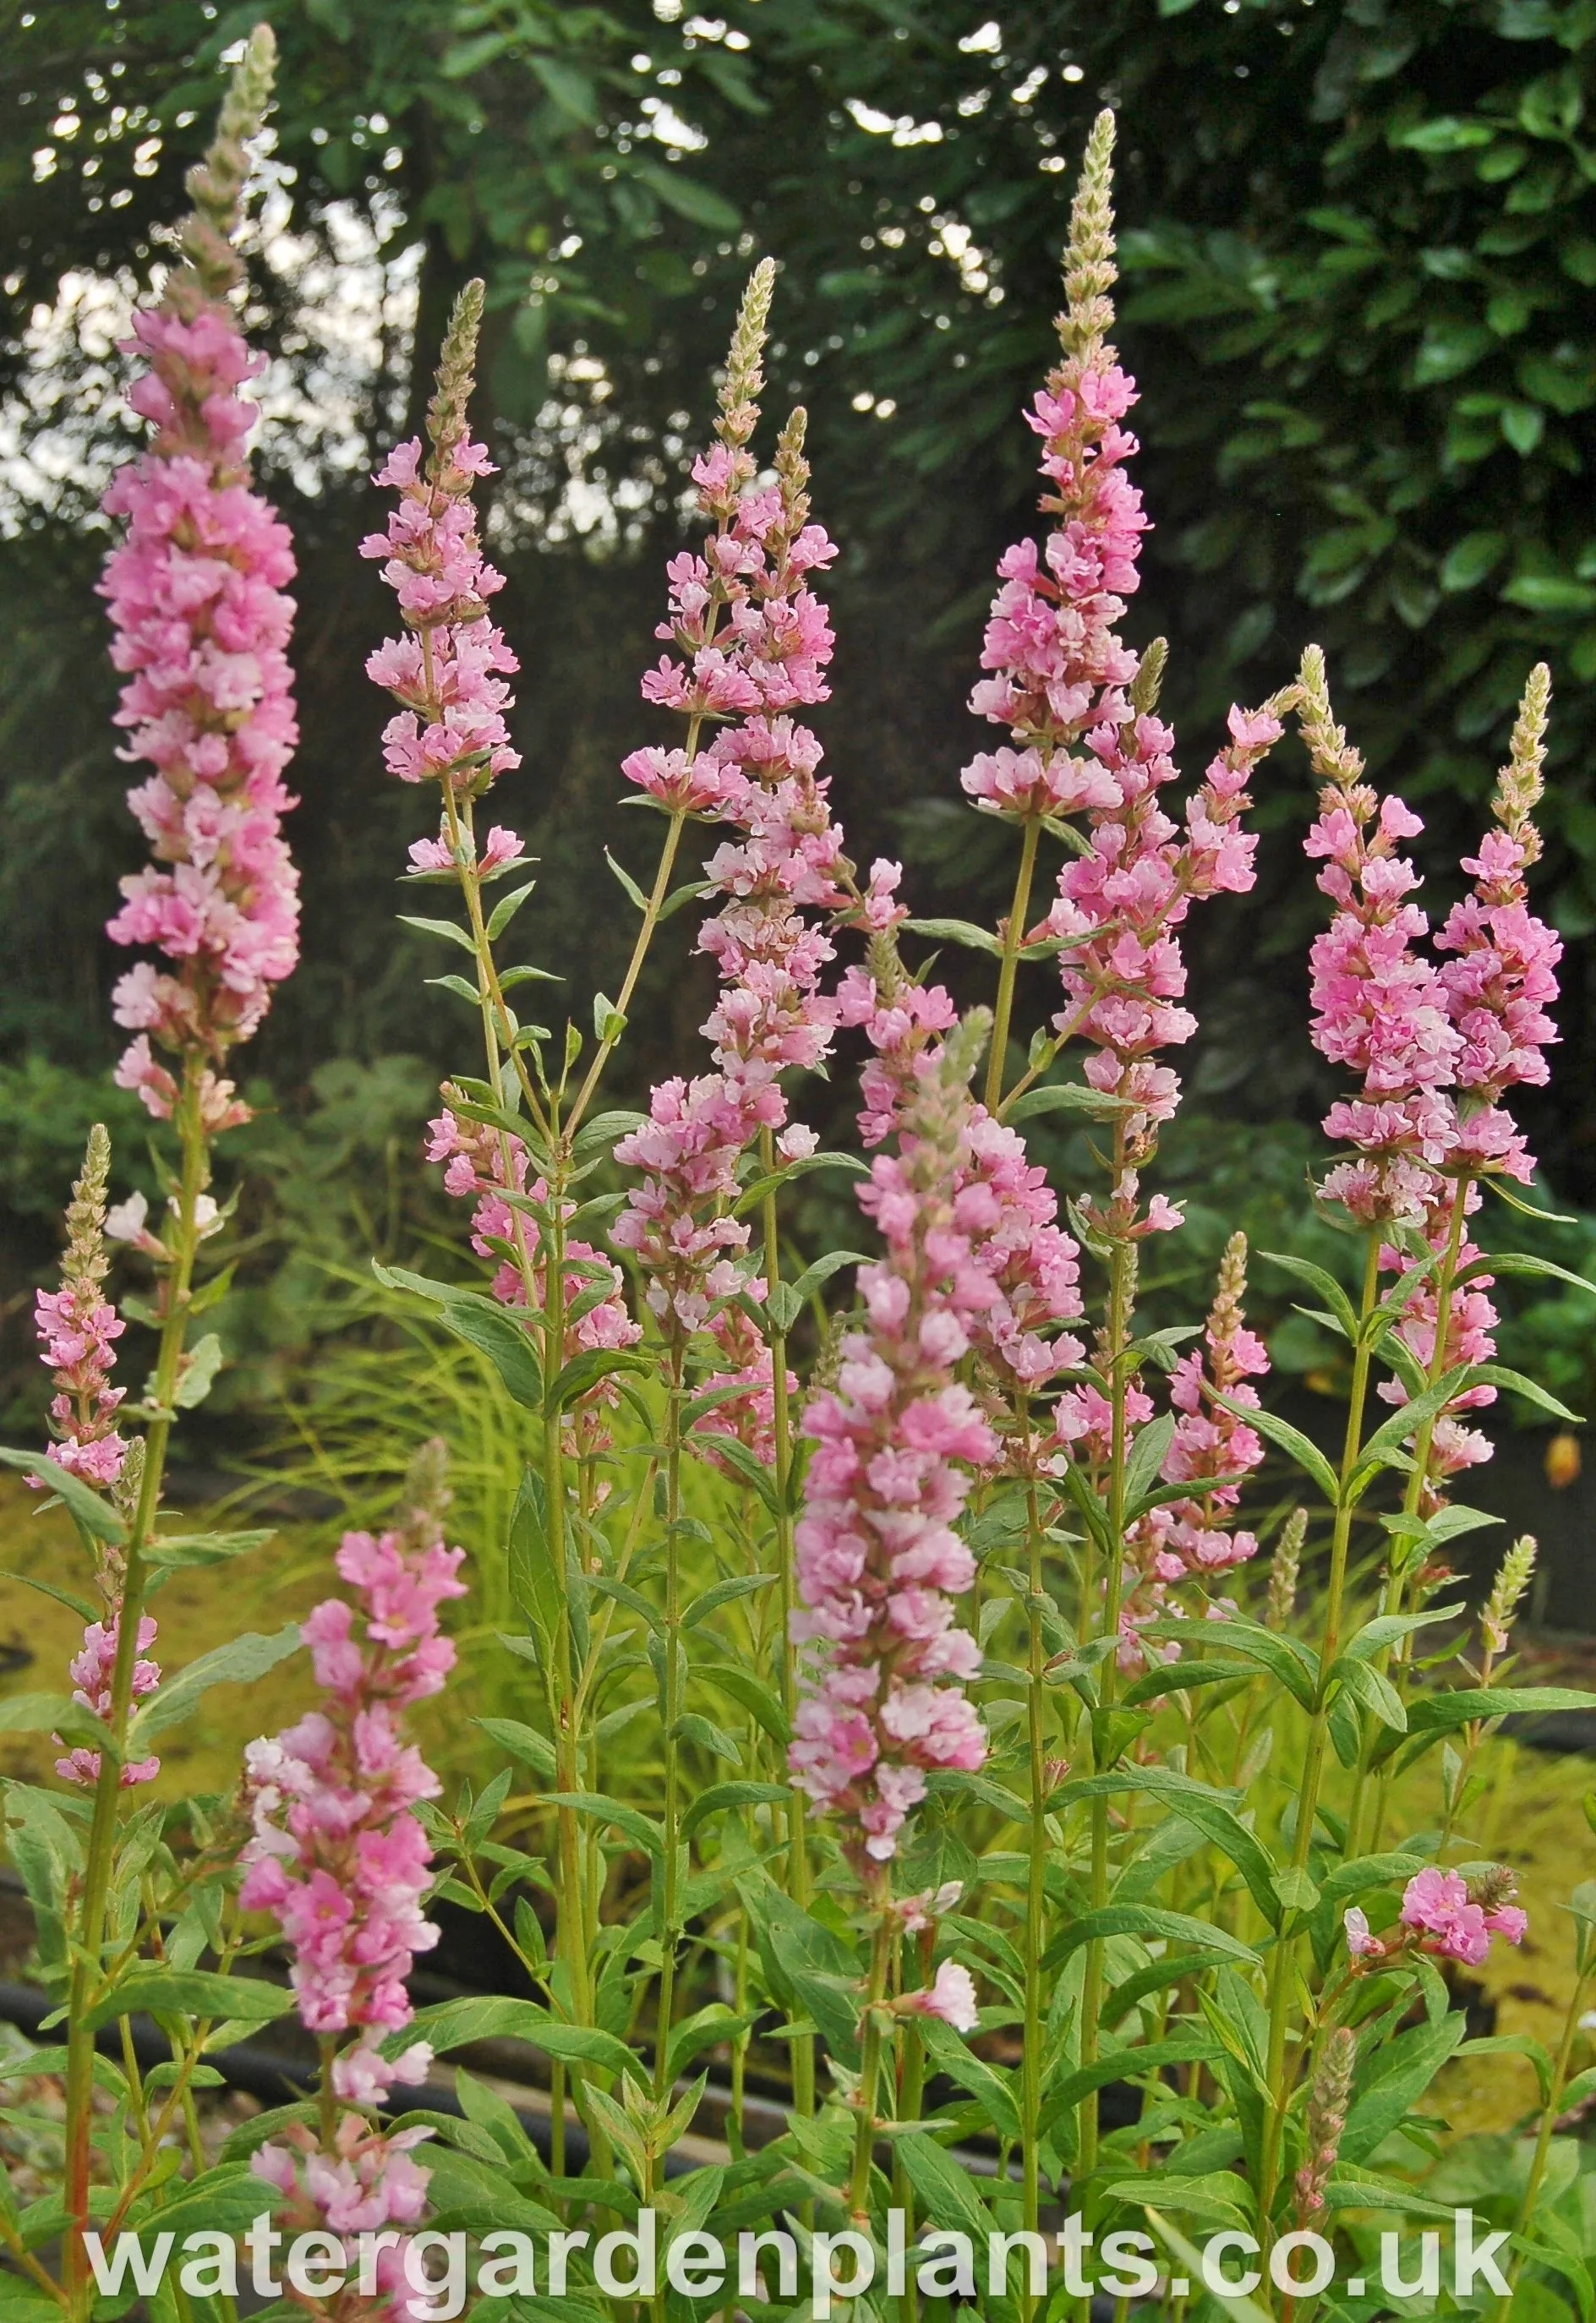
[467,57]
[1515,1384]
[585,1371]
[1147,1457]
[1390,2081]
[720,1798]
[1149,1922]
[1208,1809]
[627,881]
[444,928]
[751,1693]
[1291,1441]
[1287,1660]
[1550,593]
[1233,2304]
[1521,1261]
[1318,1280]
[1469,560]
[94,1515]
[456,2023]
[506,908]
[1123,2064]
[1374,1691]
[947,2190]
[958,932]
[724,1593]
[603,1131]
[599,1808]
[1066,1096]
[180,1550]
[78,1605]
[1439,1713]
[52,1713]
[823,1268]
[238,1663]
[688,199]
[192,1992]
[753,1195]
[198,1374]
[492,1329]
[523,1742]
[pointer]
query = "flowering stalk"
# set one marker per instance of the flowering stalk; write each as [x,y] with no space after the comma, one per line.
[878,1561]
[341,1862]
[1062,678]
[196,597]
[449,674]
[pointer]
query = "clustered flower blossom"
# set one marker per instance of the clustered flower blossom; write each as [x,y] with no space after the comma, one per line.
[1437,1045]
[1213,1448]
[196,592]
[78,1328]
[1211,1440]
[752,644]
[340,1860]
[1329,2094]
[878,1562]
[448,671]
[91,1670]
[1444,1914]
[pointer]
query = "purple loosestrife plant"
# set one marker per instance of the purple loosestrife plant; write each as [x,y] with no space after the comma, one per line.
[195,587]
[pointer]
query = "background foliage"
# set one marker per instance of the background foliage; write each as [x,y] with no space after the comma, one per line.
[1361,247]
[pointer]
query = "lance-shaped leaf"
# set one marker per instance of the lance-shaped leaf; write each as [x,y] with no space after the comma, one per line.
[1210,1810]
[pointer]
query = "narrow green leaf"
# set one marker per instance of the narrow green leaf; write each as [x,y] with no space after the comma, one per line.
[96,1516]
[506,908]
[444,928]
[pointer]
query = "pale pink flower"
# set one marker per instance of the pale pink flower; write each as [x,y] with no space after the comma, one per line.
[951,1998]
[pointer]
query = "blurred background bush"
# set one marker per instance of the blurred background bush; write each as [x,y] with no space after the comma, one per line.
[1360,248]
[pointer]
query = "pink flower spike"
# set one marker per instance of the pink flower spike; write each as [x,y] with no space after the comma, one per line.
[195,590]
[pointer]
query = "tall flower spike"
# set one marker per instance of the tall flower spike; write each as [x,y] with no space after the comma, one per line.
[878,1561]
[78,1328]
[1284,1566]
[1329,2093]
[196,592]
[1501,1609]
[447,671]
[339,1859]
[1080,709]
[752,645]
[1379,1006]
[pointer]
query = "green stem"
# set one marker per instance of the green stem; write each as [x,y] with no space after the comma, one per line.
[864,2143]
[911,2099]
[1550,2111]
[1013,936]
[1036,1928]
[671,1713]
[657,893]
[1282,1971]
[798,1886]
[1404,1560]
[100,1857]
[1118,1339]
